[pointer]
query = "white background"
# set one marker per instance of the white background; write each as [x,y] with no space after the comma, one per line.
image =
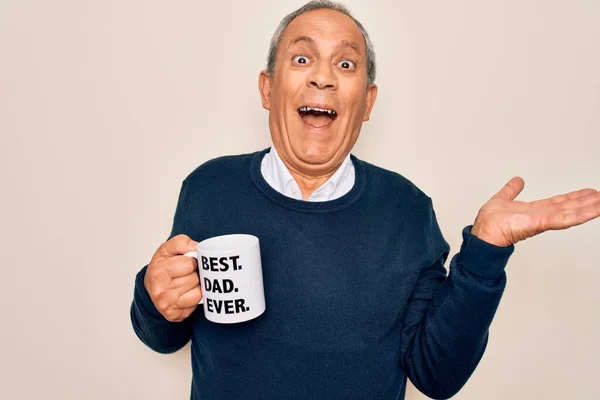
[106,106]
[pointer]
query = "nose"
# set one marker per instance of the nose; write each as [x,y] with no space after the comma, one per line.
[322,77]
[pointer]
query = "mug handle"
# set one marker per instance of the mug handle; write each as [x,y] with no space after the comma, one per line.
[194,254]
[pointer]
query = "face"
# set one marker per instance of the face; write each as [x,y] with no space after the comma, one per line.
[318,96]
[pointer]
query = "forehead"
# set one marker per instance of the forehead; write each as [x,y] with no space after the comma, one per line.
[324,26]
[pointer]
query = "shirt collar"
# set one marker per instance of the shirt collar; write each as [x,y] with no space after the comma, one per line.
[284,182]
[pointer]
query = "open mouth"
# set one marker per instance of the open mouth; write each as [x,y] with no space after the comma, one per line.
[316,116]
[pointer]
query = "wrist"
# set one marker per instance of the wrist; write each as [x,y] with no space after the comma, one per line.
[481,233]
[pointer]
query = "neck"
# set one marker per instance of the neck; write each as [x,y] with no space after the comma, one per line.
[307,183]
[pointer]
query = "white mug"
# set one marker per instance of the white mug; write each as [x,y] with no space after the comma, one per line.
[231,278]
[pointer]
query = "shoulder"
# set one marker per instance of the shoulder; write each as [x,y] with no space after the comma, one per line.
[393,185]
[395,196]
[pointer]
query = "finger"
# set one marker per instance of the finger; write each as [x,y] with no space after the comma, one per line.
[177,245]
[511,190]
[573,217]
[581,202]
[179,266]
[563,197]
[190,298]
[590,213]
[183,313]
[186,283]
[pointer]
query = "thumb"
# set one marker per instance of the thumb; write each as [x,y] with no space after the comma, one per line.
[192,245]
[511,190]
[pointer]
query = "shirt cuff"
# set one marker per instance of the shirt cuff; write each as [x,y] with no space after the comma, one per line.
[142,298]
[481,258]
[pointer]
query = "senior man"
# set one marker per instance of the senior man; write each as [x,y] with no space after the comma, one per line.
[358,298]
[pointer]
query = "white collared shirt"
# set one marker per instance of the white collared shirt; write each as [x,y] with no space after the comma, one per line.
[279,178]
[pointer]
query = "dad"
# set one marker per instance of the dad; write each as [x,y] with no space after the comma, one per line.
[358,299]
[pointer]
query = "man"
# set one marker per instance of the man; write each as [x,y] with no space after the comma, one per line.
[353,259]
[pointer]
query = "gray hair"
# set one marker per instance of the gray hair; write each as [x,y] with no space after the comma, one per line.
[316,5]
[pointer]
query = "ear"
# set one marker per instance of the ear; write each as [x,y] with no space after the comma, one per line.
[264,87]
[371,97]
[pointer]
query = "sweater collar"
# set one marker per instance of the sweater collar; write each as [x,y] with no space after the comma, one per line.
[342,202]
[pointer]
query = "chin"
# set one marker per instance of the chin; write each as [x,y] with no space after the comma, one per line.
[315,155]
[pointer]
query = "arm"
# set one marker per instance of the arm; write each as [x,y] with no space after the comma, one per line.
[149,324]
[446,326]
[447,320]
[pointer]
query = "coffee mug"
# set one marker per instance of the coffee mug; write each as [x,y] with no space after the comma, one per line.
[231,278]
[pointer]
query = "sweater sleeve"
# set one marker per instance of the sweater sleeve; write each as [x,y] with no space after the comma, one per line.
[151,327]
[446,325]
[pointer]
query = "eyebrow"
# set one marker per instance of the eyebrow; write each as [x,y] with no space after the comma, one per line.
[311,41]
[352,45]
[306,39]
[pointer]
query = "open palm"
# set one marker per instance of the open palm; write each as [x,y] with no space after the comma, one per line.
[503,221]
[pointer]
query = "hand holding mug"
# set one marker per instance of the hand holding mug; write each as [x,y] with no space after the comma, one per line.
[172,281]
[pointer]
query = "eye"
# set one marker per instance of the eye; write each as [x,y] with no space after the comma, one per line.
[347,64]
[301,60]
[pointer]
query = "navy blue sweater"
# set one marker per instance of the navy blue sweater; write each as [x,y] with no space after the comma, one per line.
[357,295]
